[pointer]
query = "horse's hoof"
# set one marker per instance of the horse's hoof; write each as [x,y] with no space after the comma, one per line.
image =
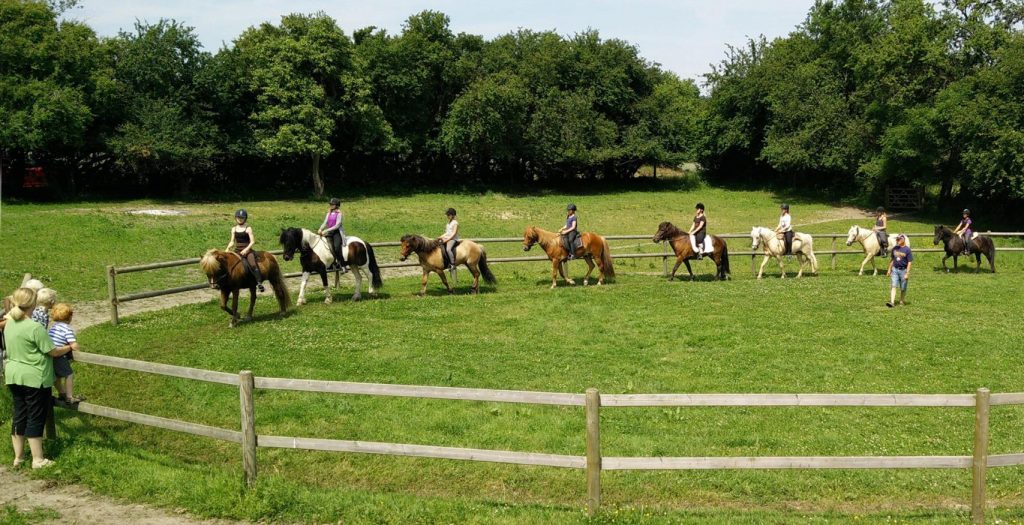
[232,324]
[373,294]
[328,300]
[422,294]
[475,291]
[553,286]
[300,302]
[572,283]
[247,319]
[586,282]
[599,283]
[357,297]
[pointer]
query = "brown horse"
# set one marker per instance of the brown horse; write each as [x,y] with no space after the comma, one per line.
[680,242]
[429,252]
[954,247]
[227,273]
[594,248]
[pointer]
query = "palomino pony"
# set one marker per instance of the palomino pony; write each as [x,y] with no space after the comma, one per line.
[803,248]
[868,239]
[594,247]
[432,260]
[227,273]
[954,246]
[315,256]
[680,242]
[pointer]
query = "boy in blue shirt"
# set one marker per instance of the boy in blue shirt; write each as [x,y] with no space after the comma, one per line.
[899,270]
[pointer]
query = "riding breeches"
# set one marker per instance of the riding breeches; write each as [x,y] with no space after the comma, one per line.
[569,242]
[883,239]
[449,247]
[787,239]
[336,244]
[698,238]
[252,266]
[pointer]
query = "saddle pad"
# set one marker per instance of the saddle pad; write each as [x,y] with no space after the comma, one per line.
[709,245]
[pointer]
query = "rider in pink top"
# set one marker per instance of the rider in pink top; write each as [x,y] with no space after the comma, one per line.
[331,228]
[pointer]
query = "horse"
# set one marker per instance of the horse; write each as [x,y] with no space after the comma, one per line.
[315,256]
[594,247]
[431,258]
[680,242]
[954,246]
[803,248]
[868,239]
[227,273]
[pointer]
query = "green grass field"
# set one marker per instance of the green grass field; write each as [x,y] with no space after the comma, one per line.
[830,333]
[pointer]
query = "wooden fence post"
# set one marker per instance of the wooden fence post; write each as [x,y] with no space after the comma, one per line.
[980,463]
[245,388]
[593,405]
[664,260]
[833,252]
[112,293]
[753,265]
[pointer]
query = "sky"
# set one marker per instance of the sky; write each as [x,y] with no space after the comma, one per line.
[684,36]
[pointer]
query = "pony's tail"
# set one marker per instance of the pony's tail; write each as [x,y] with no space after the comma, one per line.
[725,257]
[606,258]
[276,278]
[374,269]
[486,270]
[992,255]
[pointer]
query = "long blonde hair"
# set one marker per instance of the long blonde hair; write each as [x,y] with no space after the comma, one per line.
[24,300]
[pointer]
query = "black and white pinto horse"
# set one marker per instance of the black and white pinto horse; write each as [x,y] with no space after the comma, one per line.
[315,257]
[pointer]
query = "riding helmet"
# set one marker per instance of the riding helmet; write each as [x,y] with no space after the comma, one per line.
[335,202]
[241,214]
[784,206]
[570,207]
[450,212]
[699,206]
[966,211]
[879,210]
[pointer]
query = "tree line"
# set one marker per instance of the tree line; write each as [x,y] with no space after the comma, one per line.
[862,95]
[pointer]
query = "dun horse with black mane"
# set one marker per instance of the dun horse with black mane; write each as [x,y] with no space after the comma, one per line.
[227,272]
[430,253]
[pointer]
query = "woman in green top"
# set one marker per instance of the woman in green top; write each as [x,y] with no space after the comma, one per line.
[29,373]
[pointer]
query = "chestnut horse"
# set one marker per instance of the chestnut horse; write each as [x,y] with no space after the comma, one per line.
[680,242]
[594,247]
[227,273]
[429,252]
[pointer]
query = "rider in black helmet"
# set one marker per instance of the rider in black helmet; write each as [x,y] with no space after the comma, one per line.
[569,232]
[881,223]
[699,230]
[965,231]
[785,228]
[242,242]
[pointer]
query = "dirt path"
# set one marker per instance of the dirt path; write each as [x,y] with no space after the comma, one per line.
[77,505]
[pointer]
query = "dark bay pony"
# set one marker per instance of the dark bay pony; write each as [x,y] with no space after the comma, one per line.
[227,273]
[315,256]
[954,246]
[680,242]
[594,248]
[468,253]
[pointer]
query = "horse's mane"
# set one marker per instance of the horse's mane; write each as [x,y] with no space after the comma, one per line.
[420,244]
[671,231]
[210,262]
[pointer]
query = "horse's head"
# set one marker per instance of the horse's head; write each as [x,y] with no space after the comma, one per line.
[755,238]
[410,243]
[291,240]
[530,237]
[852,235]
[939,234]
[663,232]
[212,264]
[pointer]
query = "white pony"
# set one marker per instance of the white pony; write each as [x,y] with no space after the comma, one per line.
[803,248]
[869,240]
[315,256]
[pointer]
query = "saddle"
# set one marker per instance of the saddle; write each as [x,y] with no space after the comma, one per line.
[448,262]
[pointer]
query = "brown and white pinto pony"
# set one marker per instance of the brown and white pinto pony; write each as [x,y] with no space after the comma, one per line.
[315,256]
[684,250]
[594,247]
[468,253]
[227,273]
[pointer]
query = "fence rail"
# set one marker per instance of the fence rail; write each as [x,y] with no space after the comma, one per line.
[592,401]
[115,299]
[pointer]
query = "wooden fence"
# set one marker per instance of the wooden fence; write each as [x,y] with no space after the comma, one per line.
[115,299]
[593,462]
